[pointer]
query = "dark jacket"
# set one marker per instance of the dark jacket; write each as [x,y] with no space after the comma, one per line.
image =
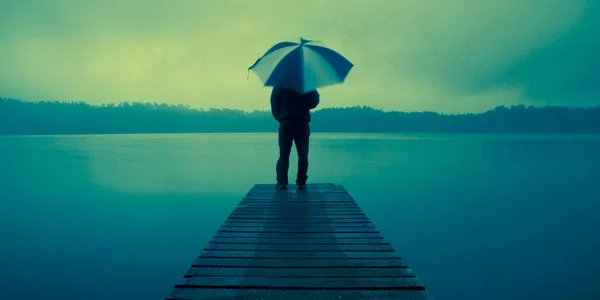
[290,105]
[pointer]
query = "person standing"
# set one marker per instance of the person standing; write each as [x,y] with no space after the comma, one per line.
[292,110]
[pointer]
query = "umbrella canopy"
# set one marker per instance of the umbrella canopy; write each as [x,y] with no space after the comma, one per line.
[302,67]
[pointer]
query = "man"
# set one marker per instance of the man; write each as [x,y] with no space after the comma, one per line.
[292,110]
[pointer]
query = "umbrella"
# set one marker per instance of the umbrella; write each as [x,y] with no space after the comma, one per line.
[302,67]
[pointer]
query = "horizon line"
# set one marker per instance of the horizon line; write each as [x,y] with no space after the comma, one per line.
[317,109]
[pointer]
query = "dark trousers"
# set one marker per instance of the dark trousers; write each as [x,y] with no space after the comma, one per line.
[299,133]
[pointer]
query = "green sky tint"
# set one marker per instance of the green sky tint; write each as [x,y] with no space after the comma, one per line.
[446,56]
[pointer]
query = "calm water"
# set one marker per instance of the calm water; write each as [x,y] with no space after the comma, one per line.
[475,216]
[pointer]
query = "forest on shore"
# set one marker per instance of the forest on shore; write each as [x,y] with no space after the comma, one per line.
[53,117]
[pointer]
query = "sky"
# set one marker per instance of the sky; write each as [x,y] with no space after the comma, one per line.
[451,56]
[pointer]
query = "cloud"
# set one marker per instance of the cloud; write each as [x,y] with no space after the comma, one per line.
[448,56]
[566,70]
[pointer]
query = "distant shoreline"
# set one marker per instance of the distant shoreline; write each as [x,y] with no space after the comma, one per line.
[520,134]
[77,118]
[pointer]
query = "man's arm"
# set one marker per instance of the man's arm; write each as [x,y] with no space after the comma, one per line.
[314,99]
[275,103]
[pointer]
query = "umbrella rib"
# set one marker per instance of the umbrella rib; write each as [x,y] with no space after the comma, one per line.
[302,70]
[273,49]
[280,64]
[342,73]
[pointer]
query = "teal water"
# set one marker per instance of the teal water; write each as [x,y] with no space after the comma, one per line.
[475,216]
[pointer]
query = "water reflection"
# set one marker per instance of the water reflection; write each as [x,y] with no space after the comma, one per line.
[131,212]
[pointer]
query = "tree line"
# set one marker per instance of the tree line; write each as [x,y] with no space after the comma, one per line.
[54,117]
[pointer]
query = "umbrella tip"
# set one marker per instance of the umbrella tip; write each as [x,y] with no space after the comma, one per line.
[304,41]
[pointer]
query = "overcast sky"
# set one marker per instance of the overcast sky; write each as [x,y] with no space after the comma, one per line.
[442,55]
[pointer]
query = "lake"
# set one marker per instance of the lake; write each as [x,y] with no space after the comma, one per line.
[474,216]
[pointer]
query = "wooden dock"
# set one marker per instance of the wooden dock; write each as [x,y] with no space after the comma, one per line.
[309,244]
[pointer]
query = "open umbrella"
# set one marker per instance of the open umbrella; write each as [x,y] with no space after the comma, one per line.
[302,67]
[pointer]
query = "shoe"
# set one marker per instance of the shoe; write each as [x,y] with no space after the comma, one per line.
[282,186]
[302,186]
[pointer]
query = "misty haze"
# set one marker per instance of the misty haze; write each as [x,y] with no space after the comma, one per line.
[467,131]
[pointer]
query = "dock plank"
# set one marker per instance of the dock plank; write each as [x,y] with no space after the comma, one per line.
[299,208]
[297,202]
[297,263]
[296,215]
[267,225]
[303,235]
[226,254]
[377,240]
[311,230]
[308,218]
[368,283]
[299,273]
[300,221]
[302,247]
[255,294]
[298,244]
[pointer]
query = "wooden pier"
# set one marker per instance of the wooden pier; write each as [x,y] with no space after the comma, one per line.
[298,244]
